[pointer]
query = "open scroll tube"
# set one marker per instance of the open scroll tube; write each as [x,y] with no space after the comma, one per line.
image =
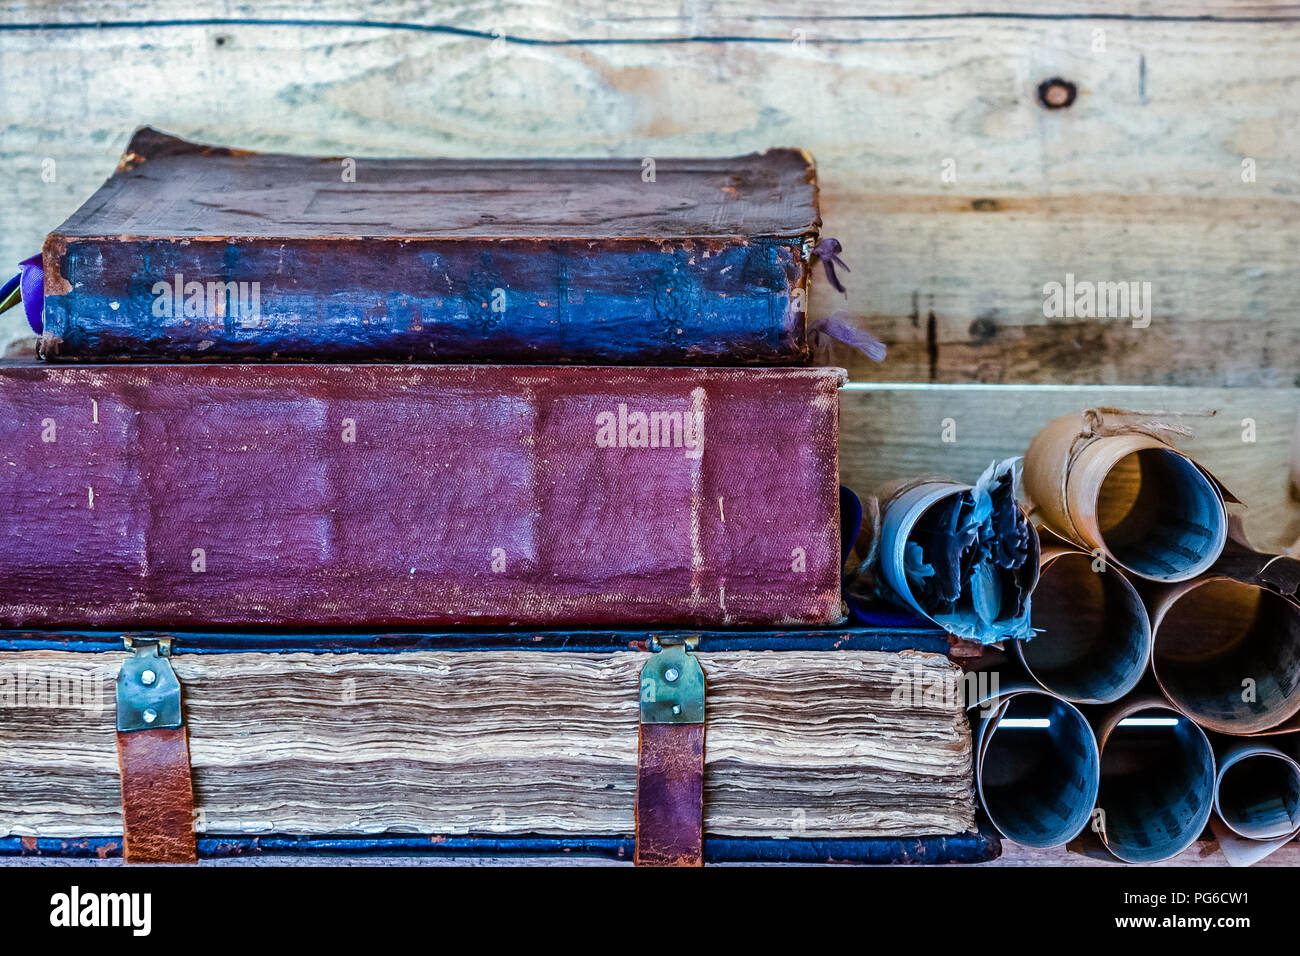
[1226,652]
[1157,780]
[1256,797]
[965,556]
[1108,482]
[1092,636]
[1036,766]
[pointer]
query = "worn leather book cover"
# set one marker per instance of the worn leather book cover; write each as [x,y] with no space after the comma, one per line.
[389,495]
[200,252]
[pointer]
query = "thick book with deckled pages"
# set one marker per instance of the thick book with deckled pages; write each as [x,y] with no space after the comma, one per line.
[661,747]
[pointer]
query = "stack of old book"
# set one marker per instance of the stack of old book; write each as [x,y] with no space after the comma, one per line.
[333,593]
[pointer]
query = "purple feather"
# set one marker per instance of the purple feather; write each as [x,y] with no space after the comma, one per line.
[828,251]
[838,327]
[32,278]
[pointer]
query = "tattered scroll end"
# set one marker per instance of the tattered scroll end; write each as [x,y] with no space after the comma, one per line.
[965,556]
[1241,561]
[1242,851]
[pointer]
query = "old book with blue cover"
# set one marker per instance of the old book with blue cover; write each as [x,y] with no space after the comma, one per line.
[199,252]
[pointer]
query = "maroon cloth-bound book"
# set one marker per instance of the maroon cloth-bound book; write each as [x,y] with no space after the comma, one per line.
[383,496]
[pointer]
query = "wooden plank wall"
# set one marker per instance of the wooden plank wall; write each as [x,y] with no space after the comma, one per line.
[957,194]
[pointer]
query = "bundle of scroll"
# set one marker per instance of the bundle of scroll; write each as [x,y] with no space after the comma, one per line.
[1154,687]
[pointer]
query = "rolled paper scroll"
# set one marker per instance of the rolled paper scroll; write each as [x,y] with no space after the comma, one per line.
[1226,653]
[1109,481]
[1157,781]
[965,556]
[1036,766]
[1256,799]
[1257,792]
[1092,636]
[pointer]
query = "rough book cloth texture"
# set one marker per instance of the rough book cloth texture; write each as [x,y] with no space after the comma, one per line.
[405,496]
[201,252]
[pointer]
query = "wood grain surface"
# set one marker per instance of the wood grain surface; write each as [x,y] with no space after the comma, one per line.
[799,744]
[957,194]
[1087,852]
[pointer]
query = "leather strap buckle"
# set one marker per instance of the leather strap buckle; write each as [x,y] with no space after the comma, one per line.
[670,760]
[153,757]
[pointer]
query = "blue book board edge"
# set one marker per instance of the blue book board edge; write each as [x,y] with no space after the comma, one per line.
[895,633]
[975,847]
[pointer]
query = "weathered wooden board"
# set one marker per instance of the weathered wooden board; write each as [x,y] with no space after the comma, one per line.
[958,196]
[1082,853]
[895,431]
[555,21]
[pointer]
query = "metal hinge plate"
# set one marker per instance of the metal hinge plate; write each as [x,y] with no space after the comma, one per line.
[672,686]
[148,691]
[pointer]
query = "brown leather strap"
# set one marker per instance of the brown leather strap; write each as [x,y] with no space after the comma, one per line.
[670,795]
[157,796]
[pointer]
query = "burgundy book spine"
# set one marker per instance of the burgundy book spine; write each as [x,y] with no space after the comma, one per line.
[384,496]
